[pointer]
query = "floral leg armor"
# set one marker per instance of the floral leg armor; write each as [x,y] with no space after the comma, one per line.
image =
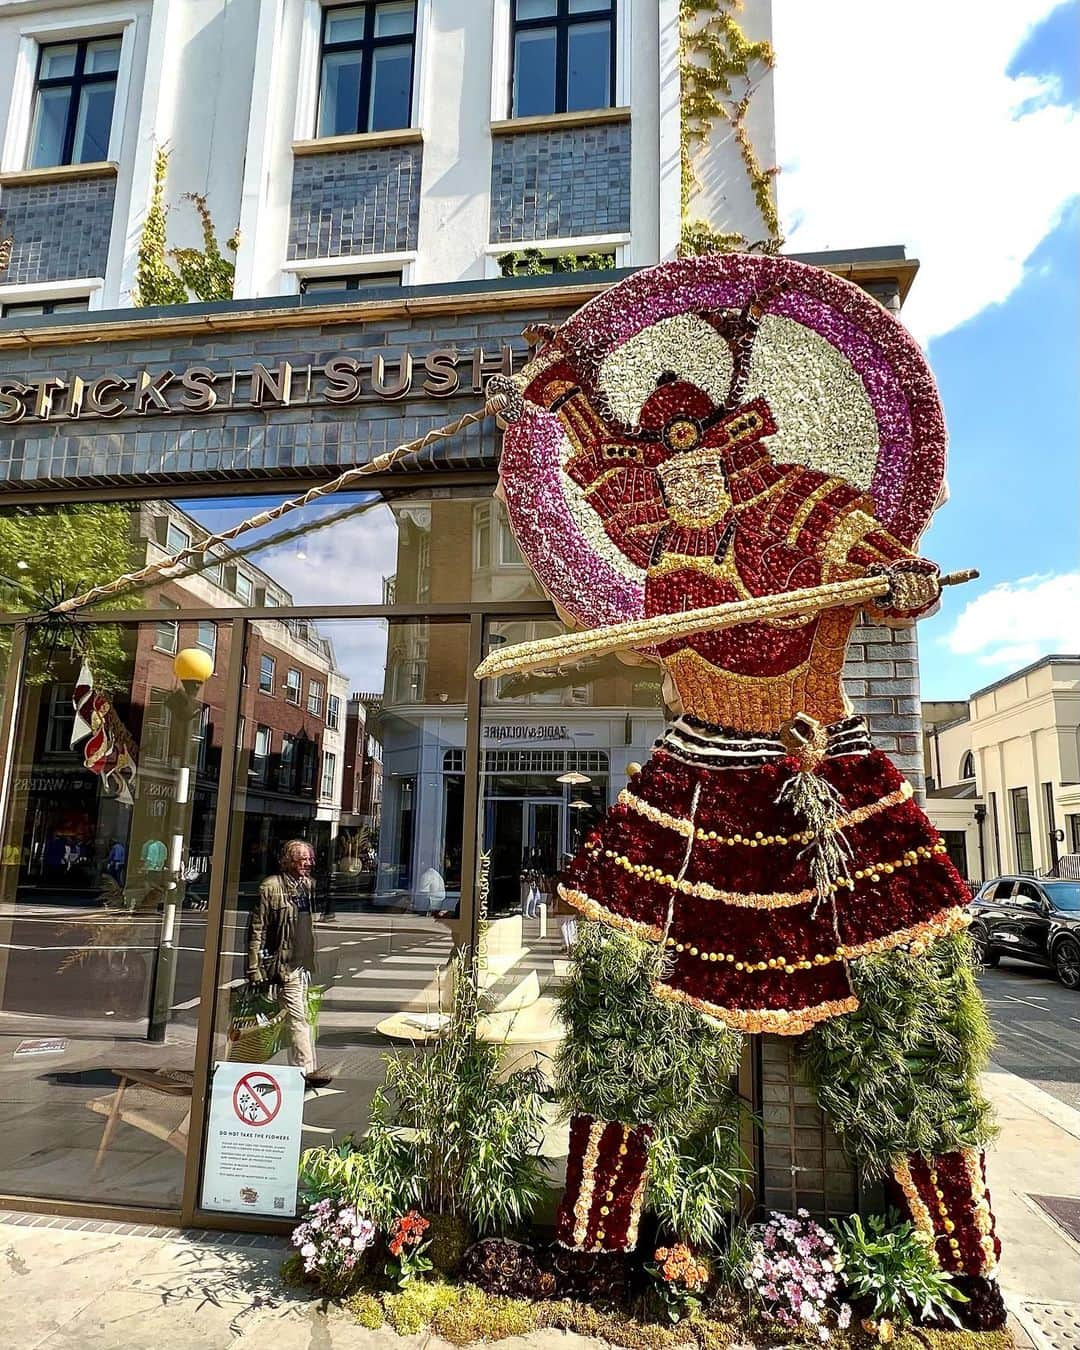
[948,1200]
[605,1185]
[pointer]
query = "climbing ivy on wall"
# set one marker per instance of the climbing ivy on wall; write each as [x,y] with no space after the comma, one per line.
[720,69]
[192,273]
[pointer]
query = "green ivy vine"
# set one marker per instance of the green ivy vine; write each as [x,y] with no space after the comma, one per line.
[720,69]
[194,273]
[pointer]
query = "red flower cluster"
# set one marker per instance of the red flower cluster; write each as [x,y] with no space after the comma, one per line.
[407,1231]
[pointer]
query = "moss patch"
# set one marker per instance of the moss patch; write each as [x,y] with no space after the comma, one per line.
[463,1314]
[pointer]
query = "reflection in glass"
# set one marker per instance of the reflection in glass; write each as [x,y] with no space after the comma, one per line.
[534,72]
[369,548]
[104,878]
[555,751]
[391,86]
[588,72]
[366,768]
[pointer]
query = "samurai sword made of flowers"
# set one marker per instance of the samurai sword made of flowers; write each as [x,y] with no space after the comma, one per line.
[637,633]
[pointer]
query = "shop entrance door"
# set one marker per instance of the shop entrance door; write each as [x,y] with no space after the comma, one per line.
[524,836]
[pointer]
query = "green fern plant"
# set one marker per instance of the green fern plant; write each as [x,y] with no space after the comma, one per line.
[900,1074]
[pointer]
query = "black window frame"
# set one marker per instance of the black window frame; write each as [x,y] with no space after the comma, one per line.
[353,281]
[562,21]
[366,46]
[1016,796]
[76,82]
[69,304]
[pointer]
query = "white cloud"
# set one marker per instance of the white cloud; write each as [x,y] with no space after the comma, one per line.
[1016,622]
[897,124]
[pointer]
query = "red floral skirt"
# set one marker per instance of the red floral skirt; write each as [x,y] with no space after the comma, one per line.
[698,854]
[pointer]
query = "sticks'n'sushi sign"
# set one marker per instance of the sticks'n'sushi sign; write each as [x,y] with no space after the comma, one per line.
[343,379]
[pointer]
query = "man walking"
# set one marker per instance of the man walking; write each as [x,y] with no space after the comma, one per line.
[281,948]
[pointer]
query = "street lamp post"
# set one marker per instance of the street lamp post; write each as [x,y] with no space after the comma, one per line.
[192,667]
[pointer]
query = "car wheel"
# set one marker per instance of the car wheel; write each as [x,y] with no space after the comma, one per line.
[1067,963]
[984,953]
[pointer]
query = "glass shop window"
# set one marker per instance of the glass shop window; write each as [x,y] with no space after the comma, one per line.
[73,102]
[563,56]
[382,833]
[367,67]
[107,846]
[409,547]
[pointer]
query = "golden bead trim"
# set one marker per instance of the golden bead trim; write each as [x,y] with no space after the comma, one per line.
[681,825]
[702,890]
[591,909]
[779,1021]
[945,921]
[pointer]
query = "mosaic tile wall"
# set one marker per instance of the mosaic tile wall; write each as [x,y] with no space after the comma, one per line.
[355,201]
[560,184]
[59,230]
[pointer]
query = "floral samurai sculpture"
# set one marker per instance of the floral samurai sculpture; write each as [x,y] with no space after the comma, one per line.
[721,436]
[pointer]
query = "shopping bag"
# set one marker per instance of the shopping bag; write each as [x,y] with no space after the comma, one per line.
[256,1025]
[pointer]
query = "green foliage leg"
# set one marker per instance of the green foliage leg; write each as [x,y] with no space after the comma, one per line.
[900,1075]
[631,1058]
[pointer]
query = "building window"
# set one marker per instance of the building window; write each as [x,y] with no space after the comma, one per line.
[1051,822]
[29,308]
[1074,833]
[333,712]
[1025,860]
[287,765]
[177,539]
[563,56]
[293,684]
[992,802]
[73,102]
[329,772]
[355,281]
[308,754]
[967,766]
[166,634]
[245,590]
[260,756]
[367,67]
[315,692]
[267,666]
[206,637]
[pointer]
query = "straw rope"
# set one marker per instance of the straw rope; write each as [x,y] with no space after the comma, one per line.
[494,405]
[569,647]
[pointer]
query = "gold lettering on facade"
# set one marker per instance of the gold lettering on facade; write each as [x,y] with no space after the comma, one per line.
[267,387]
[199,389]
[398,388]
[97,396]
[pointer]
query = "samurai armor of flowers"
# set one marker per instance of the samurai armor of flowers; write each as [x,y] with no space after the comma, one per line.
[706,432]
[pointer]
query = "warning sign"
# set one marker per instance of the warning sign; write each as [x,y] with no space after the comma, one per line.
[257,1098]
[253,1139]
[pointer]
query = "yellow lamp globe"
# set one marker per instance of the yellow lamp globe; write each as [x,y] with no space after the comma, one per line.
[193,665]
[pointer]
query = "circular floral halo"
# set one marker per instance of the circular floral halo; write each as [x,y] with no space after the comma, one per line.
[849,389]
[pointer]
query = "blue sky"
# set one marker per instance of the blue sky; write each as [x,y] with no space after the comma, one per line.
[972,160]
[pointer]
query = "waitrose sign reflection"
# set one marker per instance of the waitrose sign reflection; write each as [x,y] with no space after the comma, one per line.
[343,379]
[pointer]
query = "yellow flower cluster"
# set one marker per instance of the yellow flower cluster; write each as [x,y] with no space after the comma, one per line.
[778,1021]
[702,890]
[984,1220]
[945,921]
[681,825]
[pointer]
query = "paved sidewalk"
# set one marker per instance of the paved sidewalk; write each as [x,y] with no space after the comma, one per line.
[1036,1154]
[80,1285]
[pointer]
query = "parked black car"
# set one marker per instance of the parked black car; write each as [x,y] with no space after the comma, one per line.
[1031,919]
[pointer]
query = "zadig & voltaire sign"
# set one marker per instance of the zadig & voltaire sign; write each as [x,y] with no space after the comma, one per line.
[343,379]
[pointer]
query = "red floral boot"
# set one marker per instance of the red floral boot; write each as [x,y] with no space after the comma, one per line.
[605,1185]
